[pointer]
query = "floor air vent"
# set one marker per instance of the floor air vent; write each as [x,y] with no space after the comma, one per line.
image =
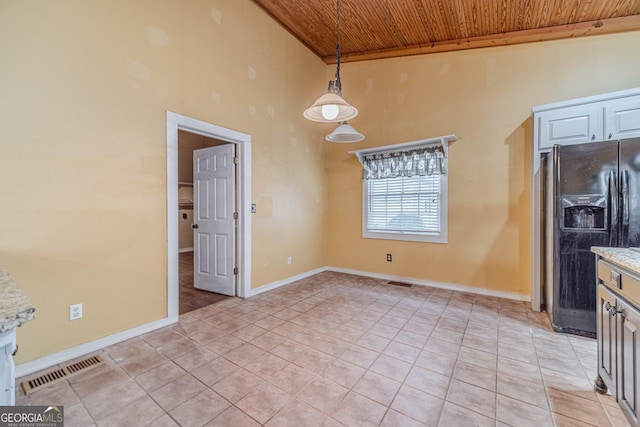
[60,374]
[404,285]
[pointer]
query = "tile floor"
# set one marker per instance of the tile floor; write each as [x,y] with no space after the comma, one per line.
[336,349]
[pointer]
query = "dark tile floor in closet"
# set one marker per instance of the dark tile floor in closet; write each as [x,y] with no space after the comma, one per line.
[190,297]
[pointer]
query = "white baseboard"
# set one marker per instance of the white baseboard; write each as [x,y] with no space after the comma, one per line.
[82,349]
[449,286]
[49,360]
[420,282]
[283,282]
[185,250]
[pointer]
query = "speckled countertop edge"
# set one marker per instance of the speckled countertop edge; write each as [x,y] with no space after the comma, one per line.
[15,307]
[628,258]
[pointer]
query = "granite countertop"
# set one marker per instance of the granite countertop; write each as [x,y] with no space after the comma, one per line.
[628,258]
[15,307]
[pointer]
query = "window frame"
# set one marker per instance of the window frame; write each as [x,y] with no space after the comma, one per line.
[441,237]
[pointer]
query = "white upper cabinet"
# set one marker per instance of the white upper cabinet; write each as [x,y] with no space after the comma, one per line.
[598,118]
[571,125]
[622,119]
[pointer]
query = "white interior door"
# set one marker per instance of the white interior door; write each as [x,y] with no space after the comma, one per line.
[214,225]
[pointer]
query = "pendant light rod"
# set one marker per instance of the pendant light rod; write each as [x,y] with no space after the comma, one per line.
[338,82]
[335,86]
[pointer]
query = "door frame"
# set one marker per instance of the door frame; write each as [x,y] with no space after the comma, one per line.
[242,142]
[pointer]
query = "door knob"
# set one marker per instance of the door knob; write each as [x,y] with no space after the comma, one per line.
[194,226]
[612,309]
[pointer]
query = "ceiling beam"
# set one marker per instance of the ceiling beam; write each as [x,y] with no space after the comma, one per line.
[604,26]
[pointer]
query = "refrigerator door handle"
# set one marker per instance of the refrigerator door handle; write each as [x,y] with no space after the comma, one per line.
[613,208]
[624,190]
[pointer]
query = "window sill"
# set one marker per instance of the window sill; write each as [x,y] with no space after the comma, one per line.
[424,238]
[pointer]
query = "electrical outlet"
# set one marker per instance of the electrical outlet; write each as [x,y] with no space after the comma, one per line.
[389,257]
[289,260]
[75,311]
[254,209]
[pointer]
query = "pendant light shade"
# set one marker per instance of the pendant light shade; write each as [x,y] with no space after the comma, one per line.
[345,133]
[330,108]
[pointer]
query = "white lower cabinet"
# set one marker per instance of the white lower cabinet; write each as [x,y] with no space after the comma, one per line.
[618,335]
[628,351]
[606,333]
[7,367]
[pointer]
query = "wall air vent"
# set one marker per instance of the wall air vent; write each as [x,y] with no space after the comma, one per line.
[60,374]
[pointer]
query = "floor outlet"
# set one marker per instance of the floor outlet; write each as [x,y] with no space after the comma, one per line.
[75,311]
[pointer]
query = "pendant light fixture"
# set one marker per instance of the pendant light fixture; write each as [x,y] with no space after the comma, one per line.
[345,133]
[331,107]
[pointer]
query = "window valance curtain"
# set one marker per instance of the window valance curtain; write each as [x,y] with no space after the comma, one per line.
[409,162]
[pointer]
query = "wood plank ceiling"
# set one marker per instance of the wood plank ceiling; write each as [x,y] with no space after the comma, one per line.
[373,29]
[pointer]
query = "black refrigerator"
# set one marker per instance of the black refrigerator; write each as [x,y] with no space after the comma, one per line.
[594,200]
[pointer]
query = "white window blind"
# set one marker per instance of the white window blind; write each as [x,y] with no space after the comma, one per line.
[404,204]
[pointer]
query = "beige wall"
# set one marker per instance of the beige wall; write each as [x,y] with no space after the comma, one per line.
[84,89]
[484,97]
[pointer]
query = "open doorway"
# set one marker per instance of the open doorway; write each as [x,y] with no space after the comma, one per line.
[193,131]
[190,296]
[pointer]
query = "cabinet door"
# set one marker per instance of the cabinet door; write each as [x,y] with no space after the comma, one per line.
[7,367]
[606,333]
[574,125]
[628,360]
[622,118]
